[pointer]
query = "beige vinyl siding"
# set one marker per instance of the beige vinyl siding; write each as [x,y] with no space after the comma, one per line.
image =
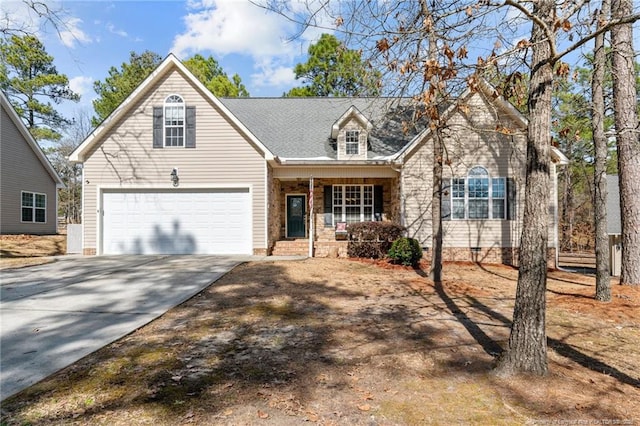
[222,157]
[471,140]
[21,170]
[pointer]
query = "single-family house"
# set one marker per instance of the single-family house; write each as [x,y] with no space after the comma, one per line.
[614,225]
[28,183]
[175,169]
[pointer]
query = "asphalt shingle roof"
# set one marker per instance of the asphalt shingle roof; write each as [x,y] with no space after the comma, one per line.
[301,127]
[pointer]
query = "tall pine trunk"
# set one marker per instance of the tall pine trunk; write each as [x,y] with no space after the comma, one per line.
[628,139]
[603,281]
[527,351]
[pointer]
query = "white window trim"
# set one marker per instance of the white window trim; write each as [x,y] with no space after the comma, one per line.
[343,206]
[164,122]
[489,199]
[33,208]
[348,142]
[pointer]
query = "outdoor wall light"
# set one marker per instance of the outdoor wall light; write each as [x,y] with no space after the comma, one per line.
[175,180]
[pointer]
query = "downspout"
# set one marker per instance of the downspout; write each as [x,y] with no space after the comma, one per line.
[84,182]
[402,200]
[311,217]
[556,221]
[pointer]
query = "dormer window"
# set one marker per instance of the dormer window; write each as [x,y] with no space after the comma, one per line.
[352,141]
[173,121]
[350,132]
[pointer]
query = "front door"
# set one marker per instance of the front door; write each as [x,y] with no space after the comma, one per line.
[296,209]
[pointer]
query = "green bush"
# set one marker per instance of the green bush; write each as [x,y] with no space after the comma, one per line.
[406,251]
[372,239]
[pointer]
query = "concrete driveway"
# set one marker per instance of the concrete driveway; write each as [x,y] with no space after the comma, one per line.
[52,315]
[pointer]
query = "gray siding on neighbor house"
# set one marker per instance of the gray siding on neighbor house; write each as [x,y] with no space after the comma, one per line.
[22,170]
[125,158]
[471,140]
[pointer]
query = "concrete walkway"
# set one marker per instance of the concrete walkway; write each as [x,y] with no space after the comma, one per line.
[52,315]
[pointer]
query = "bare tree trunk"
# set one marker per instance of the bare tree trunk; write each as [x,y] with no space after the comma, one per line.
[603,281]
[527,351]
[628,139]
[436,212]
[435,272]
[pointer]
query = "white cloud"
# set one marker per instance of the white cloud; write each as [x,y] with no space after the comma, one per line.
[273,76]
[71,33]
[232,26]
[113,30]
[81,85]
[16,15]
[225,27]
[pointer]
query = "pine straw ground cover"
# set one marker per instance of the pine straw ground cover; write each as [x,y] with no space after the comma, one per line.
[17,251]
[344,342]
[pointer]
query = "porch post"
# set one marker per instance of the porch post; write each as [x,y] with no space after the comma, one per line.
[311,216]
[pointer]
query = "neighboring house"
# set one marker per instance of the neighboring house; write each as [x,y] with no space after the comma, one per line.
[614,225]
[28,182]
[176,170]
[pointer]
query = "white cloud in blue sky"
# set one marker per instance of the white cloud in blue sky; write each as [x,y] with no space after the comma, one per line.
[83,86]
[72,34]
[240,28]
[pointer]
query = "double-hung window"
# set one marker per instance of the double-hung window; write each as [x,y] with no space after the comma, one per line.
[478,196]
[173,121]
[34,207]
[352,203]
[352,142]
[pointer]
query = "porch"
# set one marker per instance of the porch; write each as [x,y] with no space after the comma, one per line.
[334,200]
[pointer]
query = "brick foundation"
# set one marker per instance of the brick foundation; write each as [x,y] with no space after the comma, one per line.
[503,255]
[500,255]
[89,252]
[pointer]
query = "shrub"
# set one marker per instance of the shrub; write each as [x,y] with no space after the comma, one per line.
[406,251]
[372,239]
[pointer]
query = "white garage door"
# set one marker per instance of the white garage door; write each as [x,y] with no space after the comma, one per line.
[177,222]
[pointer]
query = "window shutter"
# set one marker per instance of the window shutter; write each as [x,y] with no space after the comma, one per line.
[511,199]
[328,205]
[378,202]
[191,127]
[157,127]
[445,201]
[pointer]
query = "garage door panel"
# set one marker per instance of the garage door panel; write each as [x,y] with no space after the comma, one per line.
[177,222]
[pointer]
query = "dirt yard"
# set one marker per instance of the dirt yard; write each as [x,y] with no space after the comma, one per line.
[17,251]
[341,342]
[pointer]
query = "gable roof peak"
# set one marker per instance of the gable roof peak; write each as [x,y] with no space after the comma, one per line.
[170,62]
[349,113]
[17,121]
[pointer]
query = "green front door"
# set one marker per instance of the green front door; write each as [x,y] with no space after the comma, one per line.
[296,208]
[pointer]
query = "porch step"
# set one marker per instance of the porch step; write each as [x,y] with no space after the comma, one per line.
[291,248]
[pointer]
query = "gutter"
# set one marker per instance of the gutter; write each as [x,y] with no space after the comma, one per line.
[330,162]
